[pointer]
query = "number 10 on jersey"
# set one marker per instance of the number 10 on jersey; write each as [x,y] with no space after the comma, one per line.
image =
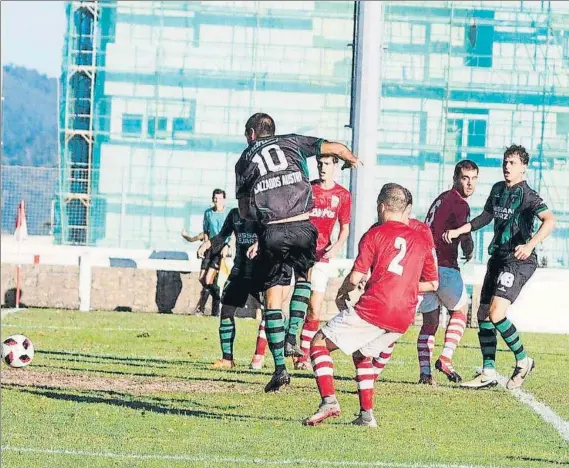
[266,162]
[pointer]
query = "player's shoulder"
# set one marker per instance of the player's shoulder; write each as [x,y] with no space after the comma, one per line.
[458,201]
[234,212]
[341,191]
[375,230]
[498,186]
[285,137]
[527,189]
[443,196]
[391,229]
[419,226]
[208,211]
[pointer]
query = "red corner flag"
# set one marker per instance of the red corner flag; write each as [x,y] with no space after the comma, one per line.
[21,231]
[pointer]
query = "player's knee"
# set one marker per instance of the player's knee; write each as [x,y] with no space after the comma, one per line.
[210,277]
[227,312]
[314,310]
[483,312]
[273,303]
[358,355]
[298,278]
[432,318]
[498,310]
[274,298]
[319,339]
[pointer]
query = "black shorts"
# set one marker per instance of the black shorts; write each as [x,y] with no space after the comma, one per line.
[237,291]
[284,248]
[210,261]
[505,277]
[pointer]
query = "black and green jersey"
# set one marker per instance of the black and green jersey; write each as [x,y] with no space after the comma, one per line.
[514,210]
[245,236]
[273,173]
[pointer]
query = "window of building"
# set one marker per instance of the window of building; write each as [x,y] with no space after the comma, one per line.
[132,124]
[479,43]
[157,127]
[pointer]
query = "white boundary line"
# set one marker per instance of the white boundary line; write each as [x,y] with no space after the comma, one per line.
[220,460]
[9,311]
[65,327]
[546,413]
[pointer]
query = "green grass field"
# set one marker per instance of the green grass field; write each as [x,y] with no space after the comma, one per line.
[126,389]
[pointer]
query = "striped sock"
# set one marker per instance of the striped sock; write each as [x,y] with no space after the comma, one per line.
[308,331]
[488,343]
[425,346]
[453,335]
[323,370]
[276,336]
[365,376]
[227,337]
[298,307]
[512,338]
[261,345]
[380,362]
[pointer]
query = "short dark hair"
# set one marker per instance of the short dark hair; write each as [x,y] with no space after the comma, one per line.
[520,151]
[333,156]
[465,164]
[395,196]
[218,191]
[408,196]
[263,124]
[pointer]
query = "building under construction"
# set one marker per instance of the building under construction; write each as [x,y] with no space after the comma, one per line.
[155,95]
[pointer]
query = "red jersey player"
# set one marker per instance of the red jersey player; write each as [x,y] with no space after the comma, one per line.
[448,211]
[332,204]
[401,264]
[381,361]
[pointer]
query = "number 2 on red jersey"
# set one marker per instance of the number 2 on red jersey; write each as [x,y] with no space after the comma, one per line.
[395,265]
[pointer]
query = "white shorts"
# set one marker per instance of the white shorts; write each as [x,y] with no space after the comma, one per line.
[349,332]
[451,293]
[320,275]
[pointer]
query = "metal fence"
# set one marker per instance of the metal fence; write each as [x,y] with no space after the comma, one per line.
[128,212]
[37,186]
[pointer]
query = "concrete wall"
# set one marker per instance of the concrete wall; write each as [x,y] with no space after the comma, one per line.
[54,282]
[133,289]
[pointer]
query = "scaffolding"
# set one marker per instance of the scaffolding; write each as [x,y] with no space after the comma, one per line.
[155,96]
[78,126]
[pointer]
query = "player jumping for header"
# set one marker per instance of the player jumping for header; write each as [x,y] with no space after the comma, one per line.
[272,187]
[332,204]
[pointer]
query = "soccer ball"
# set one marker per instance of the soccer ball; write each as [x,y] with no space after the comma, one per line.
[17,351]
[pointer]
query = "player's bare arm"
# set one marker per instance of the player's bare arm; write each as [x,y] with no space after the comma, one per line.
[204,248]
[253,250]
[189,238]
[350,283]
[479,222]
[547,219]
[343,153]
[428,286]
[333,249]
